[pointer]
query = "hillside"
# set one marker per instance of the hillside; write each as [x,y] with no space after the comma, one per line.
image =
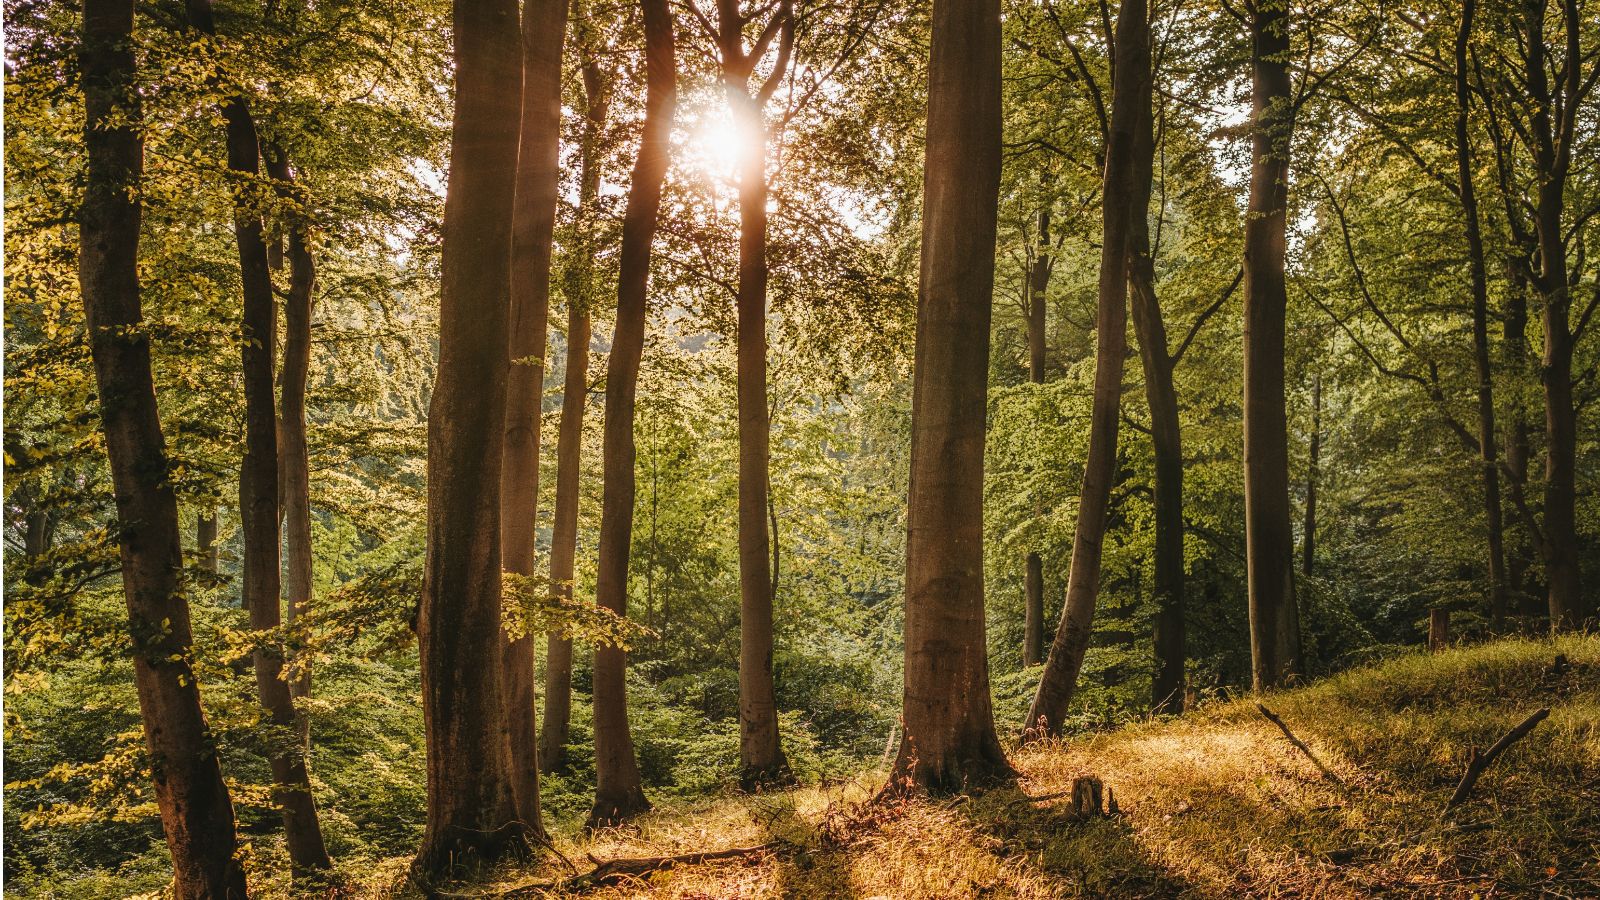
[1216,804]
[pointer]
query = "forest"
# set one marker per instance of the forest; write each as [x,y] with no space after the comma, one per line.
[801,448]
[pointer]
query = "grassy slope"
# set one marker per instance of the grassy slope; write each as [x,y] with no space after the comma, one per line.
[1216,804]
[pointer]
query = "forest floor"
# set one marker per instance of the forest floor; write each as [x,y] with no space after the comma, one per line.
[1217,803]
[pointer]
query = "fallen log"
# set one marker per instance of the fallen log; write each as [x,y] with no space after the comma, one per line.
[610,872]
[1478,762]
[1299,744]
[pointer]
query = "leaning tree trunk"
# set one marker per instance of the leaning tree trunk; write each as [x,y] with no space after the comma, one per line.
[1033,581]
[472,814]
[1130,92]
[1274,618]
[544,27]
[258,479]
[1167,685]
[1480,327]
[574,397]
[949,739]
[294,464]
[619,792]
[196,811]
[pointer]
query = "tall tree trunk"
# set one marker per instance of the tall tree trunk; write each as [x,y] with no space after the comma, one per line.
[1274,617]
[1308,546]
[574,397]
[472,814]
[1130,83]
[294,464]
[544,27]
[618,790]
[205,539]
[949,740]
[1514,331]
[1033,583]
[761,760]
[258,479]
[1552,150]
[1480,326]
[196,811]
[1167,685]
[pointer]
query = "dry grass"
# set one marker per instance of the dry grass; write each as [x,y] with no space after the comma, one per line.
[1216,804]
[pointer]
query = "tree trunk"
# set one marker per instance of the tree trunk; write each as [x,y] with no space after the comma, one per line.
[472,814]
[294,465]
[196,811]
[1480,327]
[1308,546]
[258,480]
[619,793]
[205,539]
[1274,618]
[1167,685]
[544,27]
[1130,92]
[1033,584]
[761,760]
[574,397]
[949,741]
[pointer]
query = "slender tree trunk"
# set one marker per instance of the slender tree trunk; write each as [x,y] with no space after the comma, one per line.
[574,397]
[1274,618]
[294,465]
[1167,685]
[258,479]
[544,27]
[472,813]
[196,811]
[1552,157]
[1130,83]
[619,792]
[1308,547]
[205,539]
[1033,583]
[949,740]
[1480,326]
[1514,332]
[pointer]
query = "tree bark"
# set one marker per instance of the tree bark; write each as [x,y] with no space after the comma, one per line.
[1033,584]
[1480,327]
[1308,545]
[1130,92]
[294,464]
[761,759]
[574,397]
[1166,438]
[1274,617]
[949,740]
[196,810]
[258,479]
[619,793]
[472,814]
[544,27]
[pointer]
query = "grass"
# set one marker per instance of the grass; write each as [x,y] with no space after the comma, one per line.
[1214,804]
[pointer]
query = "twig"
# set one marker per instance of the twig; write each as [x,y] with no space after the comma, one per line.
[1478,762]
[1299,744]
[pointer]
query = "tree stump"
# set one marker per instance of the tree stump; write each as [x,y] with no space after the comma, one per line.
[1086,797]
[1438,630]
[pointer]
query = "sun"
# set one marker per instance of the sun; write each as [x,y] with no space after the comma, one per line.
[721,145]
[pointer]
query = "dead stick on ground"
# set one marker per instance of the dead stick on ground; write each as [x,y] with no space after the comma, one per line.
[1299,744]
[614,871]
[1478,762]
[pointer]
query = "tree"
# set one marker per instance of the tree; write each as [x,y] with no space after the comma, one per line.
[574,396]
[196,810]
[1130,100]
[1038,280]
[258,474]
[544,26]
[618,790]
[1274,617]
[472,812]
[949,740]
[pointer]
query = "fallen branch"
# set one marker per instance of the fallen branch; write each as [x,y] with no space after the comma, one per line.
[1299,744]
[611,872]
[1478,762]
